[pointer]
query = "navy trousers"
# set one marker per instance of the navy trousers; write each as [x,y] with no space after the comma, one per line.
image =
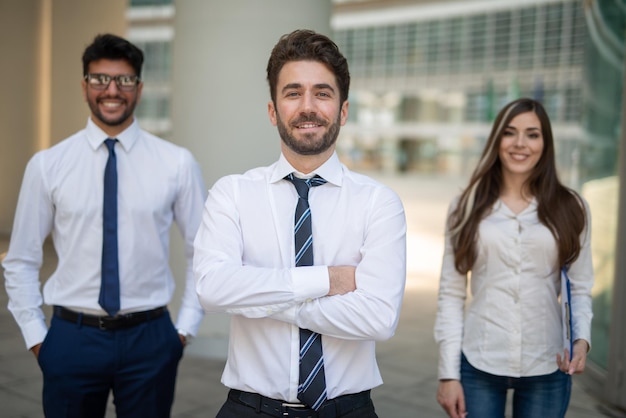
[82,364]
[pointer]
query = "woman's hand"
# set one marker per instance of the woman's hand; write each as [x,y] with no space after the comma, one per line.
[450,397]
[579,359]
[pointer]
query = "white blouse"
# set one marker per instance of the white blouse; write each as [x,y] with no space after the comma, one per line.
[512,326]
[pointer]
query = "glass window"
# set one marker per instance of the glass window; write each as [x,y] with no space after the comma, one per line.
[153,106]
[577,36]
[409,109]
[150,2]
[432,45]
[455,42]
[157,64]
[421,48]
[502,40]
[376,44]
[475,108]
[359,53]
[413,55]
[553,33]
[527,19]
[573,100]
[369,51]
[478,42]
[400,50]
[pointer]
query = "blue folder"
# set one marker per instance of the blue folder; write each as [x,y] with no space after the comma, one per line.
[566,310]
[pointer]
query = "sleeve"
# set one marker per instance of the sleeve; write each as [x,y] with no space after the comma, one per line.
[581,279]
[32,224]
[450,311]
[187,215]
[224,283]
[372,311]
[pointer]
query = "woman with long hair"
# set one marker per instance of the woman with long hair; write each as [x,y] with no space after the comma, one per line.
[509,233]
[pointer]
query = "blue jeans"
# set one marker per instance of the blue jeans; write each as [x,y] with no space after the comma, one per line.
[537,396]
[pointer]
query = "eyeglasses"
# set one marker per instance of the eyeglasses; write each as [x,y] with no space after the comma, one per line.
[125,82]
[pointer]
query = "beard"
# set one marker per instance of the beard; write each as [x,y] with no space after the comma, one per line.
[128,113]
[309,144]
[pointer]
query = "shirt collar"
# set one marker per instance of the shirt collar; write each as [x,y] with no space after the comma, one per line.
[499,206]
[126,138]
[331,170]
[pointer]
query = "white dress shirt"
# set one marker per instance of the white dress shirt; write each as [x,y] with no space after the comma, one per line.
[61,194]
[512,326]
[244,265]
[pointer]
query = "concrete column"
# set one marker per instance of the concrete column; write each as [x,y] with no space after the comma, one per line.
[41,103]
[220,96]
[19,26]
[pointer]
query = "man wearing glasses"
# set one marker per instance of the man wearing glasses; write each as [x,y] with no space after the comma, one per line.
[107,195]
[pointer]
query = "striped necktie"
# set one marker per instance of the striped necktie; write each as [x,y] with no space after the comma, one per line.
[110,280]
[312,382]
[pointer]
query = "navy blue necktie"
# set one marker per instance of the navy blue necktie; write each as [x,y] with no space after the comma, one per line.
[312,382]
[110,282]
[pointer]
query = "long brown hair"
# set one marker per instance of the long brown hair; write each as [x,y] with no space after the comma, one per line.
[559,208]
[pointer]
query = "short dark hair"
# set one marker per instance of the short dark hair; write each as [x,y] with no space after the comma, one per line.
[112,47]
[307,45]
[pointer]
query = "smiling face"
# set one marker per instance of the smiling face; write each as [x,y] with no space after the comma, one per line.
[521,146]
[111,109]
[308,112]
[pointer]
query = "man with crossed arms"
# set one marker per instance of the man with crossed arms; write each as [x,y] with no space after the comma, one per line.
[248,260]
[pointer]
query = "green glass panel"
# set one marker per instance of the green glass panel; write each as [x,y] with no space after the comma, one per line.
[601,117]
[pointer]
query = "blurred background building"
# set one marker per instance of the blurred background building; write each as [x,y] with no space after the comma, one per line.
[428,78]
[151,28]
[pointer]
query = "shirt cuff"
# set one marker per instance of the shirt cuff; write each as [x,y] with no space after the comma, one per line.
[189,319]
[310,282]
[449,361]
[34,333]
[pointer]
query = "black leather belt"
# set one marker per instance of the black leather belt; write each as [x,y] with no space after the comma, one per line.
[109,323]
[332,408]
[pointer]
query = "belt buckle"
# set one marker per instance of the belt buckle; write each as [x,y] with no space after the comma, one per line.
[286,405]
[106,323]
[101,324]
